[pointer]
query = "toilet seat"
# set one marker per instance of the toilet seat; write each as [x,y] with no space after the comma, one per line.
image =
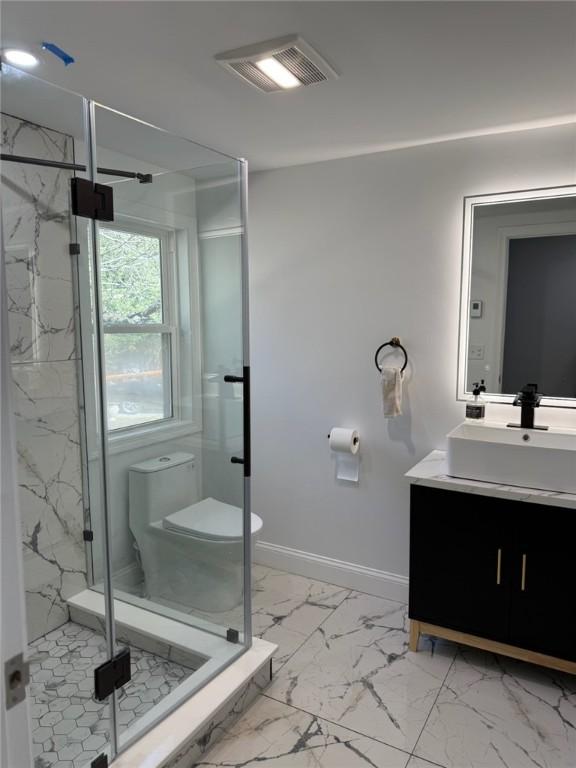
[211,520]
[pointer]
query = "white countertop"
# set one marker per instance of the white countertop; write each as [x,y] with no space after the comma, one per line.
[432,471]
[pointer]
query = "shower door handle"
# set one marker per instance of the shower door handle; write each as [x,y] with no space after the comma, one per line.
[230,379]
[245,379]
[247,423]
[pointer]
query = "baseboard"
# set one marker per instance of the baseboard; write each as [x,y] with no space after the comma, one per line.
[392,586]
[128,577]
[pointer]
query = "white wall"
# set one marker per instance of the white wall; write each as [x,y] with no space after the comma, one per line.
[220,258]
[344,255]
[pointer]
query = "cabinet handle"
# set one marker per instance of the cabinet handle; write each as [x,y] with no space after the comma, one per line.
[498,566]
[523,580]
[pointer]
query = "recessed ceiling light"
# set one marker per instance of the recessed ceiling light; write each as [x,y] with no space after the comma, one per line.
[278,72]
[20,58]
[278,65]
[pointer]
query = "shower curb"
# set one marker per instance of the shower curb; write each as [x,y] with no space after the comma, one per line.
[181,739]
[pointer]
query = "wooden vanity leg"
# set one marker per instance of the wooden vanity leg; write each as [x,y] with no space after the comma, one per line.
[414,635]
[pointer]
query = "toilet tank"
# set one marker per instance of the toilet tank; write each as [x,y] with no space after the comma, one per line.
[160,486]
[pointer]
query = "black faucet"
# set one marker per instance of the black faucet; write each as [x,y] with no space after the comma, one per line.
[528,399]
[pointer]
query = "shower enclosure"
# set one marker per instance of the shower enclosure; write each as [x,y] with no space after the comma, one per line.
[124,250]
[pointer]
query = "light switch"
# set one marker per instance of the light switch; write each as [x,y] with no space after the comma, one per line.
[476,352]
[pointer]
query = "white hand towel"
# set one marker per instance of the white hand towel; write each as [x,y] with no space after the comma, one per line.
[391,392]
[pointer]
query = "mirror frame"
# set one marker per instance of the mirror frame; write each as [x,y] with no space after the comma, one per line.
[470,202]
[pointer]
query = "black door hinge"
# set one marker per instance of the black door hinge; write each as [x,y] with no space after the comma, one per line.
[88,535]
[74,249]
[100,762]
[93,201]
[111,675]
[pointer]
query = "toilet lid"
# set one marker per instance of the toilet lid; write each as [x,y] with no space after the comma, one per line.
[210,519]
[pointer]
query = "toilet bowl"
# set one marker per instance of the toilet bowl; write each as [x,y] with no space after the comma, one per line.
[195,556]
[192,554]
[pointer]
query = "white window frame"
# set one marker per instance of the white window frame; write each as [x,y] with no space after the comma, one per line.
[175,247]
[169,324]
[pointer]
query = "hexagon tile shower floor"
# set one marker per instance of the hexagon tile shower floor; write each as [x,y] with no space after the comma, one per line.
[69,726]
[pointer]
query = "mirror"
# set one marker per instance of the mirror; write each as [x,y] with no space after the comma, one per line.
[518,304]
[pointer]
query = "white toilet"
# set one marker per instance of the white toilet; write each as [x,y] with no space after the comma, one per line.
[191,550]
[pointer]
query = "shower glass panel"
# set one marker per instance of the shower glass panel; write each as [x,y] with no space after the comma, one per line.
[173,332]
[129,358]
[47,255]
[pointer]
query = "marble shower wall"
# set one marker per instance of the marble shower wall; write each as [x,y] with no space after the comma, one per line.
[46,369]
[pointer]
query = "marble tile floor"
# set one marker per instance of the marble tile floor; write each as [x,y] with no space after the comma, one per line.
[286,608]
[69,727]
[352,694]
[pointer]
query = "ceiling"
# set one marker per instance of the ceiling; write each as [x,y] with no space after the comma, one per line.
[410,72]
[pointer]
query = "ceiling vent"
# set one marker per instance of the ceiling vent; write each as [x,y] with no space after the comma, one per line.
[278,65]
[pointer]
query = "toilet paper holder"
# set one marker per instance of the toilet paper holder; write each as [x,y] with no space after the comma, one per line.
[355,440]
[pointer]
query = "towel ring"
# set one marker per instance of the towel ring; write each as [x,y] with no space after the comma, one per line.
[394,342]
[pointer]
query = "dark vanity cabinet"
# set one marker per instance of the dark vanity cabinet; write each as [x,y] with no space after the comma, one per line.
[495,570]
[543,607]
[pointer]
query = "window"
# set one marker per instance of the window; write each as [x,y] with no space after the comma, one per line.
[139,319]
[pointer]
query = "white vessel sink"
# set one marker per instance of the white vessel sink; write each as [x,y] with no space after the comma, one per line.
[511,456]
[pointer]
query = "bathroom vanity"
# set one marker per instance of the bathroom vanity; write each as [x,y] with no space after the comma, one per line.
[492,566]
[492,559]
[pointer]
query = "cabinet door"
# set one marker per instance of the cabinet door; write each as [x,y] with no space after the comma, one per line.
[460,553]
[543,602]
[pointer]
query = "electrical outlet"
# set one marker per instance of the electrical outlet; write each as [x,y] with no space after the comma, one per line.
[476,352]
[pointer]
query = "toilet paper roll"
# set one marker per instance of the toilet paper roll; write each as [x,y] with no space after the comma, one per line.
[346,443]
[344,440]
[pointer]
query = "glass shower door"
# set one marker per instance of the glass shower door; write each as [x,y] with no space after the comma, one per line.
[47,251]
[171,265]
[126,271]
